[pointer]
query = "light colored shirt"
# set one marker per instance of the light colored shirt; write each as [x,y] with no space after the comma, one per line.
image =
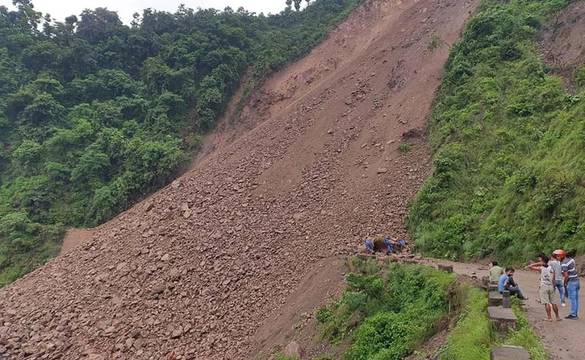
[556,266]
[546,277]
[495,273]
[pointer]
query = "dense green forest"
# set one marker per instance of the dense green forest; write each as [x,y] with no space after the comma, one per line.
[509,144]
[94,113]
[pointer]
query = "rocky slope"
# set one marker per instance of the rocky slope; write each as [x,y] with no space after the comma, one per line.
[191,272]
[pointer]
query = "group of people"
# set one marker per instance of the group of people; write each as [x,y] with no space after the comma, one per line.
[385,244]
[559,281]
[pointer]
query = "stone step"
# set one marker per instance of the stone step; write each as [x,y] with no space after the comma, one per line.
[494,298]
[445,268]
[493,286]
[502,319]
[510,353]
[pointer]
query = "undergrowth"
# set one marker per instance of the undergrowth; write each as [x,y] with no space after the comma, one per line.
[472,338]
[385,315]
[509,145]
[525,336]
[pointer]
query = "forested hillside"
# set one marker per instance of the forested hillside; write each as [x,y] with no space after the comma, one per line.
[94,114]
[509,144]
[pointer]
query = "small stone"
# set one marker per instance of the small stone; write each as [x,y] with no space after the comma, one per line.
[382,170]
[166,257]
[176,333]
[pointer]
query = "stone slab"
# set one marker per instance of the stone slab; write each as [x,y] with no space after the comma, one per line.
[495,298]
[502,319]
[445,268]
[510,353]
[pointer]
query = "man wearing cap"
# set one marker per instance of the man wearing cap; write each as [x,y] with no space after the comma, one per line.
[571,280]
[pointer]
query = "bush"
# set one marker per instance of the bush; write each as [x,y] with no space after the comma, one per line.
[387,317]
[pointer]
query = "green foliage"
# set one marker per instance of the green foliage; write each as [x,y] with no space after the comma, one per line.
[95,114]
[509,146]
[387,316]
[525,336]
[471,338]
[404,147]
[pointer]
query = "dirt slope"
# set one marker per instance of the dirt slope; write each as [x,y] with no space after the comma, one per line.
[562,42]
[195,269]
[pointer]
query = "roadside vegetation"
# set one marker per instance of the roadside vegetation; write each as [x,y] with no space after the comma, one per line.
[509,145]
[94,114]
[387,313]
[472,337]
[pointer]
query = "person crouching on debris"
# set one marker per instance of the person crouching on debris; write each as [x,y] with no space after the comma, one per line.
[379,244]
[546,291]
[506,282]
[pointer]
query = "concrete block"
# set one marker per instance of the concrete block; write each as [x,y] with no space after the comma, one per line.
[494,298]
[502,319]
[510,353]
[445,268]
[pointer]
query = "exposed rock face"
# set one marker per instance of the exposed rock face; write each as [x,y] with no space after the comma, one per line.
[191,272]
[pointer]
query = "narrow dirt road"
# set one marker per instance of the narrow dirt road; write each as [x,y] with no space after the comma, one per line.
[563,340]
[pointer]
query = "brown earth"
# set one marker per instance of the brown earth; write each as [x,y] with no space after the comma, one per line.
[75,237]
[563,43]
[195,270]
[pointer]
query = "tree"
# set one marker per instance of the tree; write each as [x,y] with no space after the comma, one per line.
[297,4]
[99,25]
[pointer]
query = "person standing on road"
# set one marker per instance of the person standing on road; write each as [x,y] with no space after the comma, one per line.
[555,264]
[546,291]
[571,280]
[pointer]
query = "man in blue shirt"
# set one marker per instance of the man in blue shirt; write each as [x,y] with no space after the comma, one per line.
[507,282]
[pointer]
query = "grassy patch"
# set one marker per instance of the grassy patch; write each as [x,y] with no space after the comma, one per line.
[471,338]
[387,316]
[435,42]
[404,147]
[525,336]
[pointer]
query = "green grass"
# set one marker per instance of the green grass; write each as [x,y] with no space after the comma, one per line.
[525,336]
[471,338]
[508,142]
[404,147]
[387,314]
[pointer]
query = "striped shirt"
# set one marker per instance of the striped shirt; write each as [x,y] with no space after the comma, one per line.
[570,268]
